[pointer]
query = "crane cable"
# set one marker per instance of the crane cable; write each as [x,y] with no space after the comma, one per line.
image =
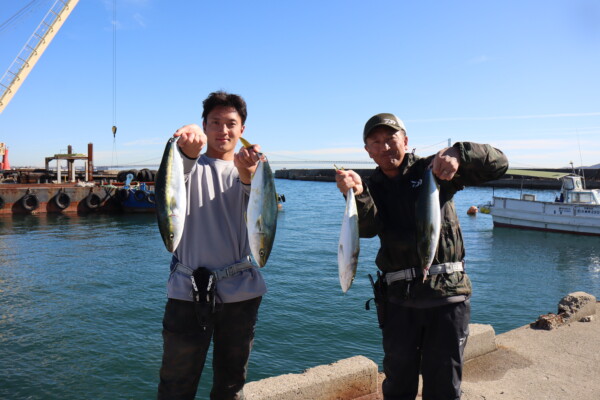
[114,83]
[29,7]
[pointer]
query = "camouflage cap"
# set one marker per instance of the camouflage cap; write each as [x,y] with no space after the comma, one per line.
[383,119]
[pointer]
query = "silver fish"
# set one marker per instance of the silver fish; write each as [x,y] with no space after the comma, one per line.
[171,196]
[349,244]
[261,215]
[429,221]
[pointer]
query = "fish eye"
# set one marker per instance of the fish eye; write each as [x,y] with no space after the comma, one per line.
[261,253]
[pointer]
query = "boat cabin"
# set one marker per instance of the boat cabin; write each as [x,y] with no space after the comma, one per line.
[572,191]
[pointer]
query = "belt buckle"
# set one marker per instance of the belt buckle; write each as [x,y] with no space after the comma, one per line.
[444,268]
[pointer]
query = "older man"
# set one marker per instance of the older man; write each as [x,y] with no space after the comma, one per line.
[424,321]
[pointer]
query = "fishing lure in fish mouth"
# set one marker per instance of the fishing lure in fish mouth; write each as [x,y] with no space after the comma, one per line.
[247,145]
[428,217]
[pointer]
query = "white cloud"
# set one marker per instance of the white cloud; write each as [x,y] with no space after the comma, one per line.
[136,3]
[536,145]
[532,144]
[140,19]
[479,59]
[145,142]
[508,117]
[555,153]
[125,8]
[553,159]
[337,151]
[127,157]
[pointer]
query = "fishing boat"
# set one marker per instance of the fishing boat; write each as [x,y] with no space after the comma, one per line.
[136,197]
[575,210]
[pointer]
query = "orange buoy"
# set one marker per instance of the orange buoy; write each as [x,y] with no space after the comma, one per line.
[472,210]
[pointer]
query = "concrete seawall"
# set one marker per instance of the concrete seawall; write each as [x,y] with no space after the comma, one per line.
[351,378]
[557,362]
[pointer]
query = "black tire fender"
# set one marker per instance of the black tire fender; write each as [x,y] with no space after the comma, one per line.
[122,194]
[62,200]
[30,202]
[151,198]
[139,195]
[122,176]
[92,201]
[144,175]
[133,172]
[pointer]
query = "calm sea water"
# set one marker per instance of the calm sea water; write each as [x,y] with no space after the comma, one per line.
[82,297]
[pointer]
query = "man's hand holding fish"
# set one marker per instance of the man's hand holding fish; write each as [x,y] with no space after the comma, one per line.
[246,161]
[348,179]
[445,163]
[191,140]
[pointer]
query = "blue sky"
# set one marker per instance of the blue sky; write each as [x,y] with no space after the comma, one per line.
[521,75]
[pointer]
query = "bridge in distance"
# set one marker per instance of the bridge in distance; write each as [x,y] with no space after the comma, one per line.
[274,163]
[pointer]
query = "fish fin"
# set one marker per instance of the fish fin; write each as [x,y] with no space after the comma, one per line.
[259,223]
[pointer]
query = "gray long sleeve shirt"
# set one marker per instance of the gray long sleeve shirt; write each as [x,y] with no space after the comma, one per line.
[215,233]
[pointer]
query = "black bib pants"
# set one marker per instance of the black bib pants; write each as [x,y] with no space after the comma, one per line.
[429,340]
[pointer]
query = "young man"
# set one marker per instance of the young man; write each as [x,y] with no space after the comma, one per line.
[424,322]
[215,242]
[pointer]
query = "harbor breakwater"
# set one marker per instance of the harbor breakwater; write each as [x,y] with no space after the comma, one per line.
[592,178]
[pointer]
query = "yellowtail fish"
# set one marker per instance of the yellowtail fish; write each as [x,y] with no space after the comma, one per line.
[171,196]
[349,244]
[429,221]
[261,215]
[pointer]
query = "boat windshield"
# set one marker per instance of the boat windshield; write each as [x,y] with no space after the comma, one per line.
[569,183]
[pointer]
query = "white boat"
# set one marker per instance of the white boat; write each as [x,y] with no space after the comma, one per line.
[576,210]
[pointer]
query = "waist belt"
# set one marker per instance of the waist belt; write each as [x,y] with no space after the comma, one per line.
[219,274]
[411,273]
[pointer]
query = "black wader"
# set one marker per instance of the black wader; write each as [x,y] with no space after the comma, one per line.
[186,342]
[430,340]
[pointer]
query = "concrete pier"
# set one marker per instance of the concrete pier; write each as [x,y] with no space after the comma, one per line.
[352,378]
[560,362]
[346,379]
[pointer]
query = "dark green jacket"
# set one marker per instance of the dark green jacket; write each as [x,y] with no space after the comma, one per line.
[387,208]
